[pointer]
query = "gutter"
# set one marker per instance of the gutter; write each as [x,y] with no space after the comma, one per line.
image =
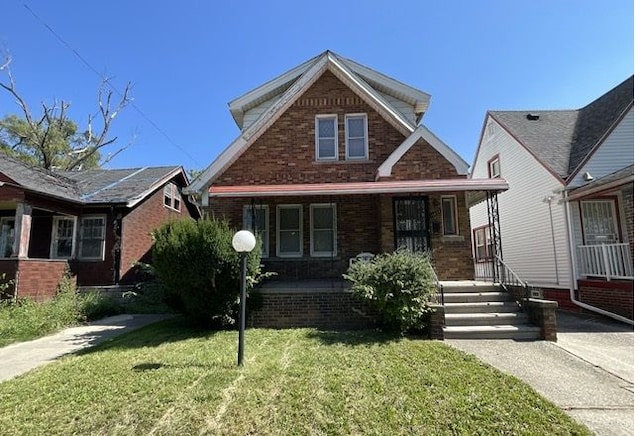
[573,269]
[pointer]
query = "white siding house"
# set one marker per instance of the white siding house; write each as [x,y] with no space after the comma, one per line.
[566,222]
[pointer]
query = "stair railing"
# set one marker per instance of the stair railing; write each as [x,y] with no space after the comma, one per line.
[511,283]
[439,285]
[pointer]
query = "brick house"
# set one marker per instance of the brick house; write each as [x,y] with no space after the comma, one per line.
[331,162]
[98,222]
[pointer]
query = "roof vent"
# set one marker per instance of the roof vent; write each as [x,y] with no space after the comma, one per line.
[533,117]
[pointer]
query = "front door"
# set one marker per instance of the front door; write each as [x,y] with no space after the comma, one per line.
[410,226]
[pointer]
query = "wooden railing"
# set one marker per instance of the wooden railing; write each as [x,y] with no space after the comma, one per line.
[611,261]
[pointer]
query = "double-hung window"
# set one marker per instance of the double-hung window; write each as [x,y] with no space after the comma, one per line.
[92,237]
[449,215]
[326,137]
[483,244]
[289,230]
[256,220]
[172,196]
[357,146]
[323,229]
[7,236]
[63,237]
[494,167]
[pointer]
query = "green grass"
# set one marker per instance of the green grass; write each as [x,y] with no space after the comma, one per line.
[170,380]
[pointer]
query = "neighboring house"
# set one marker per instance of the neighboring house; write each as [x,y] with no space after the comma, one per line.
[96,221]
[331,162]
[566,223]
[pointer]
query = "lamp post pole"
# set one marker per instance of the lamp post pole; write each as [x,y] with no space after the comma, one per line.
[243,242]
[243,304]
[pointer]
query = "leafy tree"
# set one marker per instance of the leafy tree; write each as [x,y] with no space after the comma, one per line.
[51,139]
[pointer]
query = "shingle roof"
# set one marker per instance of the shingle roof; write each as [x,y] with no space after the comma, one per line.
[96,186]
[562,139]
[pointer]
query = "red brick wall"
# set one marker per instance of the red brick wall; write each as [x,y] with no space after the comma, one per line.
[285,153]
[423,162]
[325,310]
[137,226]
[38,279]
[613,296]
[562,297]
[97,272]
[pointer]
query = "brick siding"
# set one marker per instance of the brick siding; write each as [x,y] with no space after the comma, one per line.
[326,310]
[613,296]
[39,279]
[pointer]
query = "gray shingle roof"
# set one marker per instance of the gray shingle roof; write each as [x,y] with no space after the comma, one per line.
[562,139]
[97,186]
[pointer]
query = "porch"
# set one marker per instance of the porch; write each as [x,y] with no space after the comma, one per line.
[605,261]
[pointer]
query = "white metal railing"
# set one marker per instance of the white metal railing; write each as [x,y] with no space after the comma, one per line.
[612,261]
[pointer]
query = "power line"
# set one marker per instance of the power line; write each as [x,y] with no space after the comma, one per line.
[108,82]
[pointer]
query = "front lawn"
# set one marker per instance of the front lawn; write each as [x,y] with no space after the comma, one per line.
[168,379]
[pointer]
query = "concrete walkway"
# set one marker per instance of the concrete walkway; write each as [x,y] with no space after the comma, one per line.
[16,359]
[588,372]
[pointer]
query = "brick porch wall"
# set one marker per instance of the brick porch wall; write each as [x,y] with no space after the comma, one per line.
[614,296]
[332,310]
[38,278]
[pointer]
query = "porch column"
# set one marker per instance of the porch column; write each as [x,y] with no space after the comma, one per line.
[493,214]
[22,231]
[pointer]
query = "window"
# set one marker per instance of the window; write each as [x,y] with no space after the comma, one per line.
[62,238]
[356,136]
[92,236]
[256,220]
[323,229]
[326,137]
[7,236]
[172,196]
[494,167]
[410,228]
[599,222]
[289,231]
[449,215]
[483,243]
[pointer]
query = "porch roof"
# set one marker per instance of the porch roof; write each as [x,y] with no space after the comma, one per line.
[355,188]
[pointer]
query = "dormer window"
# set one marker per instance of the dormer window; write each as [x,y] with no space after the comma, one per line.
[326,137]
[356,136]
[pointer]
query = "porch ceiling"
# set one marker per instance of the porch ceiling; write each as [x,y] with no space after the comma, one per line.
[355,188]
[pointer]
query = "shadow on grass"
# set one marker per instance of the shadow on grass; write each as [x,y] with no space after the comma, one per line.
[174,329]
[354,337]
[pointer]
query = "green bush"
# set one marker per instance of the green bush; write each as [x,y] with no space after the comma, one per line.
[399,285]
[199,269]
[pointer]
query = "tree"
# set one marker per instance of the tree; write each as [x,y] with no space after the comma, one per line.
[51,139]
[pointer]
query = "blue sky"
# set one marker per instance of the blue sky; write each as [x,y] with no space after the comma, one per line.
[188,59]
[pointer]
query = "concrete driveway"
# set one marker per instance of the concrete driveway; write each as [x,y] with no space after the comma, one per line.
[588,372]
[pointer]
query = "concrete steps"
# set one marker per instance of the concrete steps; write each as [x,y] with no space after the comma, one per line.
[480,310]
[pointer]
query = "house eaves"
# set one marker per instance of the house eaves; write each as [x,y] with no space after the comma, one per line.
[423,132]
[326,62]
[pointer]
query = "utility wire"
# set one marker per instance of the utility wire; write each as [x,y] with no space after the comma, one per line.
[108,82]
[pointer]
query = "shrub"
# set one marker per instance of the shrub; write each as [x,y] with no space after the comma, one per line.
[199,269]
[399,285]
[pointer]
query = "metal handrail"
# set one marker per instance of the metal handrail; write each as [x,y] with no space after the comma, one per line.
[509,280]
[440,286]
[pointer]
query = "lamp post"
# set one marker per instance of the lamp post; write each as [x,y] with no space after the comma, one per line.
[243,242]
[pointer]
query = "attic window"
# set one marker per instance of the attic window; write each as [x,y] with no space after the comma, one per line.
[172,197]
[533,117]
[326,137]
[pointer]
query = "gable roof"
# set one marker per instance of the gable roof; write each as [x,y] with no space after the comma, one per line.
[289,86]
[563,139]
[384,170]
[97,186]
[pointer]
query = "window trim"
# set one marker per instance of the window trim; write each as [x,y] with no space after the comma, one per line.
[280,207]
[54,232]
[488,244]
[455,215]
[103,237]
[265,239]
[495,159]
[347,137]
[174,195]
[335,156]
[312,228]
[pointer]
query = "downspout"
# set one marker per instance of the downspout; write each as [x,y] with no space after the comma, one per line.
[567,214]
